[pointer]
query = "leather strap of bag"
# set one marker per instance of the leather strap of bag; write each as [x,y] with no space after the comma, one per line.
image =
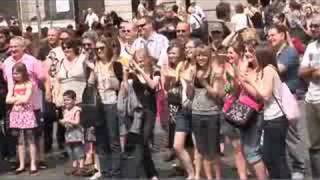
[279,104]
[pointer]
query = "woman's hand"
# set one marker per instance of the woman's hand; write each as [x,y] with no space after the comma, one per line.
[134,66]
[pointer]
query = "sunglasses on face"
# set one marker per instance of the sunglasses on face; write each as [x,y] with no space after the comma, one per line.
[99,49]
[180,31]
[126,31]
[86,44]
[63,39]
[65,47]
[314,25]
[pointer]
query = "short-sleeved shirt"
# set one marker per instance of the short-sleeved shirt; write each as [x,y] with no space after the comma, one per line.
[311,58]
[36,73]
[289,57]
[157,45]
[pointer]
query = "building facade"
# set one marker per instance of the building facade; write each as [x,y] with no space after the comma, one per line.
[64,12]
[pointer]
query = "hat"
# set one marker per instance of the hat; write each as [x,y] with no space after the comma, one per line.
[216,27]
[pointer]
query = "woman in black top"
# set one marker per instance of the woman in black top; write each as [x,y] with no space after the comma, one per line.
[144,79]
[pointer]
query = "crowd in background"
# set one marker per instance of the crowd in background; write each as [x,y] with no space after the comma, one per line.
[168,80]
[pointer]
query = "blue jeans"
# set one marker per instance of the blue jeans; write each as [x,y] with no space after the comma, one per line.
[108,141]
[250,138]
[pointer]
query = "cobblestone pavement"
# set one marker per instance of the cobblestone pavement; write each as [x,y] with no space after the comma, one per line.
[56,165]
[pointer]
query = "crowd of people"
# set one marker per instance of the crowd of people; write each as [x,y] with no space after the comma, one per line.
[118,89]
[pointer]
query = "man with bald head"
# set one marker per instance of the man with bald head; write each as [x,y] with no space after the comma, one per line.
[130,33]
[310,70]
[183,31]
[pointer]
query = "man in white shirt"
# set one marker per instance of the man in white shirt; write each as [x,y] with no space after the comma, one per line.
[157,44]
[91,18]
[199,11]
[3,22]
[310,70]
[240,20]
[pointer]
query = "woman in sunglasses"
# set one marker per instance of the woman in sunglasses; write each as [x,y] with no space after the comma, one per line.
[107,76]
[72,71]
[71,75]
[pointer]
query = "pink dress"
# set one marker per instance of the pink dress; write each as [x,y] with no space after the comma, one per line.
[22,115]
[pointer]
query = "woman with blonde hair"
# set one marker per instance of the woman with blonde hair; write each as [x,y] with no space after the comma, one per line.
[206,111]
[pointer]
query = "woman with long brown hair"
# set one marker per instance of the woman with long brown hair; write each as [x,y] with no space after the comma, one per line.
[173,89]
[234,59]
[264,84]
[107,76]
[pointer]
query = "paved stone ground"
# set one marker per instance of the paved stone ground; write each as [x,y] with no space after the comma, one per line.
[56,166]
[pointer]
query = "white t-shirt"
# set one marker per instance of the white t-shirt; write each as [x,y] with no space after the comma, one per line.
[311,58]
[91,18]
[239,21]
[194,21]
[157,45]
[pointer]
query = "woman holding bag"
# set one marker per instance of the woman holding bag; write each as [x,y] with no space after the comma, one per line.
[234,55]
[251,129]
[264,84]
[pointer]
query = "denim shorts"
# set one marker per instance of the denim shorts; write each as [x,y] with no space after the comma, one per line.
[183,121]
[75,151]
[250,139]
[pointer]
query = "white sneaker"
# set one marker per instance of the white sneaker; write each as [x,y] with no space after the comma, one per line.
[297,176]
[97,175]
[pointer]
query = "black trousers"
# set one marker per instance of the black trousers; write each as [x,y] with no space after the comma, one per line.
[138,150]
[274,148]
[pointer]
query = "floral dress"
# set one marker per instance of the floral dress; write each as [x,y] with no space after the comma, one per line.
[22,115]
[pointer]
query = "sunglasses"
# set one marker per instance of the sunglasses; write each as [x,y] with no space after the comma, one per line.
[141,25]
[125,31]
[314,25]
[180,31]
[86,44]
[65,47]
[63,39]
[98,49]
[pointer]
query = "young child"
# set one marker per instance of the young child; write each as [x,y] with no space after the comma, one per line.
[22,118]
[74,134]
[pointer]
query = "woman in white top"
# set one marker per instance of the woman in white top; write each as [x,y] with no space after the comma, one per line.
[72,71]
[265,84]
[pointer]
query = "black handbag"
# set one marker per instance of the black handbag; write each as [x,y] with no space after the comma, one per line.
[91,107]
[240,114]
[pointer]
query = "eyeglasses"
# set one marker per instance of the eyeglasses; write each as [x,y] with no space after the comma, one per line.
[314,26]
[98,49]
[86,44]
[180,31]
[141,25]
[126,31]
